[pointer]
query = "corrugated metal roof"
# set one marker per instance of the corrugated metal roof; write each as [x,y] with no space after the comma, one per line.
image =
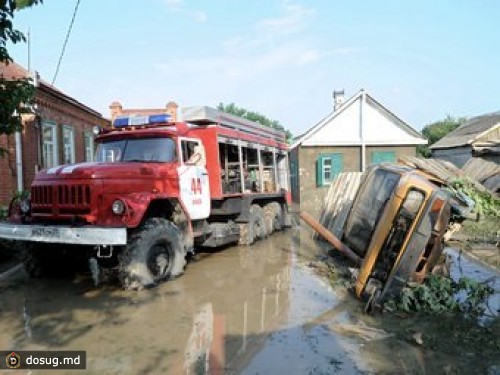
[481,169]
[468,132]
[442,169]
[338,201]
[486,172]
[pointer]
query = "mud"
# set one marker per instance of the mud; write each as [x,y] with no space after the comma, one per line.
[251,310]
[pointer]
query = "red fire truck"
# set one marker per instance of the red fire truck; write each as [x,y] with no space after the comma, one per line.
[156,191]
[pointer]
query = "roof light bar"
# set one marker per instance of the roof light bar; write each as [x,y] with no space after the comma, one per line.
[123,121]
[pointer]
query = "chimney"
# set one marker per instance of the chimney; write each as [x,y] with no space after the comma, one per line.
[338,99]
[115,108]
[172,110]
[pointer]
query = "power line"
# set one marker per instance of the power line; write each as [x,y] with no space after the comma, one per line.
[66,41]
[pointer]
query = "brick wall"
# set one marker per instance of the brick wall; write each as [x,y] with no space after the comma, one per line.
[59,111]
[7,169]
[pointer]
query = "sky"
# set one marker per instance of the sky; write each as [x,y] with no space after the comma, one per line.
[421,59]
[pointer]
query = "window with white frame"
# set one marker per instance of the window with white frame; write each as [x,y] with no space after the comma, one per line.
[68,144]
[89,146]
[50,152]
[327,167]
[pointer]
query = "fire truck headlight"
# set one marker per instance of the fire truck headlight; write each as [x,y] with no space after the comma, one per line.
[25,206]
[118,207]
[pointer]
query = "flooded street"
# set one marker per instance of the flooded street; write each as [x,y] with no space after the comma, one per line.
[250,310]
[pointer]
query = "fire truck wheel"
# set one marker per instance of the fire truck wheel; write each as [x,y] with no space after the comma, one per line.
[154,253]
[259,223]
[247,236]
[273,217]
[255,228]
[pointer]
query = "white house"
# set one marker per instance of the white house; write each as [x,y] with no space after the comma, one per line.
[357,133]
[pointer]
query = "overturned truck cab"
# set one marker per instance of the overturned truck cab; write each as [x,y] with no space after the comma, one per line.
[395,227]
[397,224]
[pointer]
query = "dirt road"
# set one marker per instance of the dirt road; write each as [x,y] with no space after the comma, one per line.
[251,310]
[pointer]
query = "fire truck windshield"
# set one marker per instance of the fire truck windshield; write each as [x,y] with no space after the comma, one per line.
[155,150]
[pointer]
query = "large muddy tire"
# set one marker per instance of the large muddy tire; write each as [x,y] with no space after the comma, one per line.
[255,228]
[260,226]
[273,217]
[155,253]
[247,235]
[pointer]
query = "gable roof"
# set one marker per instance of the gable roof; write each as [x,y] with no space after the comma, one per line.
[13,70]
[341,127]
[469,131]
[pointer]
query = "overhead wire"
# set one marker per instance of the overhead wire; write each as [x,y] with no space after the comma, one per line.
[66,41]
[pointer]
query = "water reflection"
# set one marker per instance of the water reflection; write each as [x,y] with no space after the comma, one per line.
[257,309]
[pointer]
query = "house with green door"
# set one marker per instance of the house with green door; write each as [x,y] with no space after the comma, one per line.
[359,132]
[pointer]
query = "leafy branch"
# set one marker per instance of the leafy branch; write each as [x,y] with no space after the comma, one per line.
[16,95]
[485,203]
[439,295]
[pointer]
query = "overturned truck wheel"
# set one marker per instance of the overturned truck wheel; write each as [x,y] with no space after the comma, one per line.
[155,253]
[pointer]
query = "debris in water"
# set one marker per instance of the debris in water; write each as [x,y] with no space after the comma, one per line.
[439,295]
[418,338]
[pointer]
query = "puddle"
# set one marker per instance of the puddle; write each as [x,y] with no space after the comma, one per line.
[462,265]
[250,310]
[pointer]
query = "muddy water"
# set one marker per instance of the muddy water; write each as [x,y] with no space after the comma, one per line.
[462,265]
[249,310]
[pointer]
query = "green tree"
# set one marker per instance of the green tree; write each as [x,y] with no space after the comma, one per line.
[16,96]
[437,130]
[254,116]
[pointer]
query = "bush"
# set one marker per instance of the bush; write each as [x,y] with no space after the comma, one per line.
[485,203]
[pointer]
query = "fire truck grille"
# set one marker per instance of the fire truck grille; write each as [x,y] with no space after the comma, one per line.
[67,200]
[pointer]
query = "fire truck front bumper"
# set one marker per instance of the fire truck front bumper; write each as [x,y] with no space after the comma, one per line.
[86,235]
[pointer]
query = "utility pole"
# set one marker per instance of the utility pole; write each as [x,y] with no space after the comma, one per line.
[29,49]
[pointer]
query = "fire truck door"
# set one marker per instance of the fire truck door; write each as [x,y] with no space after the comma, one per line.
[194,190]
[193,178]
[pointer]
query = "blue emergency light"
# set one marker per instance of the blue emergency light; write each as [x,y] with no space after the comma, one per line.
[123,121]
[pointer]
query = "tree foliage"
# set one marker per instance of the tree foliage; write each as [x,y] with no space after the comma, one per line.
[16,95]
[254,116]
[437,130]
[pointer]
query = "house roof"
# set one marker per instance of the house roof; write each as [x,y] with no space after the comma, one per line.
[341,127]
[16,71]
[469,132]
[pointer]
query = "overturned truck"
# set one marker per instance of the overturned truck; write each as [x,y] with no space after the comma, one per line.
[393,228]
